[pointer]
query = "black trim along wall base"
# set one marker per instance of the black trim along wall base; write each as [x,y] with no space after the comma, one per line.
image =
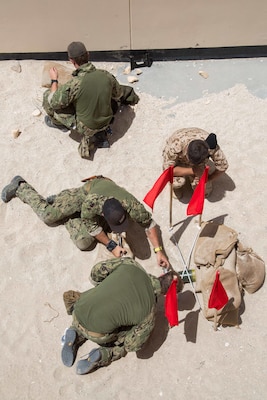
[146,57]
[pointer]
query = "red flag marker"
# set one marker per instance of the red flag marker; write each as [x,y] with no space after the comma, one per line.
[171,304]
[196,203]
[218,297]
[159,185]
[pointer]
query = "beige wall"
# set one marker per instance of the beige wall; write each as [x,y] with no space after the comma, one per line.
[30,26]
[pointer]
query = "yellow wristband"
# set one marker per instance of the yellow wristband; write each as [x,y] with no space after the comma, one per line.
[157,249]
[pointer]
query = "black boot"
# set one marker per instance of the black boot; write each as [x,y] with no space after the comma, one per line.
[101,140]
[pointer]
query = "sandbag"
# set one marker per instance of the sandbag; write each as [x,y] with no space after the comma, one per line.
[200,270]
[215,250]
[205,277]
[230,284]
[250,269]
[214,244]
[218,249]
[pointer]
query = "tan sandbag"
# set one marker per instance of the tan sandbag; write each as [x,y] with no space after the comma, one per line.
[250,269]
[205,277]
[229,263]
[214,244]
[64,73]
[231,286]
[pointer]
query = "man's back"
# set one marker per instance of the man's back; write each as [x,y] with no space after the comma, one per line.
[93,100]
[124,298]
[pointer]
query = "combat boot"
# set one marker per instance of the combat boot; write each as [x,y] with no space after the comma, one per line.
[70,347]
[101,140]
[9,191]
[90,363]
[51,124]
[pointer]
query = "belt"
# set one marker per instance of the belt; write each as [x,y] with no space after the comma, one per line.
[95,334]
[84,330]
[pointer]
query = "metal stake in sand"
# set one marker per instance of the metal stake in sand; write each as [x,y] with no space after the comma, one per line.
[185,264]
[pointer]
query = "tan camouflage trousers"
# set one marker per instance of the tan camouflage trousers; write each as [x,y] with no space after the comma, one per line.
[180,181]
[116,344]
[65,209]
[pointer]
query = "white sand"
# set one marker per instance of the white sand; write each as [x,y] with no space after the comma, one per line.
[38,263]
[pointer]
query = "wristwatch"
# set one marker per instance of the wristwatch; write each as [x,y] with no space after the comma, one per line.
[111,245]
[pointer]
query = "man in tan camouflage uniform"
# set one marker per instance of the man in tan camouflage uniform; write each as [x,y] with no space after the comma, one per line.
[87,103]
[90,212]
[118,314]
[189,150]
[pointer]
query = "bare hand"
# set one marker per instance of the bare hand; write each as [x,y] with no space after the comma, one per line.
[119,251]
[162,260]
[53,73]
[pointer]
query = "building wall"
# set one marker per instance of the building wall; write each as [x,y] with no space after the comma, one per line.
[28,26]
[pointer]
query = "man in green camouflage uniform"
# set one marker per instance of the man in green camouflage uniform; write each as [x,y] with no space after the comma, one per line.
[89,212]
[189,150]
[118,314]
[88,102]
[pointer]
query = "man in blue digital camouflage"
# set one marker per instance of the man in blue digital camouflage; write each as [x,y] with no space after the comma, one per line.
[87,103]
[118,313]
[90,212]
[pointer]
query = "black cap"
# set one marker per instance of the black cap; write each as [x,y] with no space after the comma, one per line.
[115,215]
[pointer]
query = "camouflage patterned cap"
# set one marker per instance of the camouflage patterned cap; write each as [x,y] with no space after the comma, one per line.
[76,49]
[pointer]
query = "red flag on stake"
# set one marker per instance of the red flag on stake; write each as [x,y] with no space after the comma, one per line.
[159,185]
[218,297]
[196,203]
[171,304]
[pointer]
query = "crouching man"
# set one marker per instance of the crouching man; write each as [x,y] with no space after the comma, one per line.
[118,313]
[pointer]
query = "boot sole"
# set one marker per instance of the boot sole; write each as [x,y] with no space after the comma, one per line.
[68,352]
[88,365]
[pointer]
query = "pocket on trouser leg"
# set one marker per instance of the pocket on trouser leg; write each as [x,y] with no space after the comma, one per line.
[85,147]
[109,354]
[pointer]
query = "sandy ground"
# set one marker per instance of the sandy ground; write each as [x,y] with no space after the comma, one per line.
[38,263]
